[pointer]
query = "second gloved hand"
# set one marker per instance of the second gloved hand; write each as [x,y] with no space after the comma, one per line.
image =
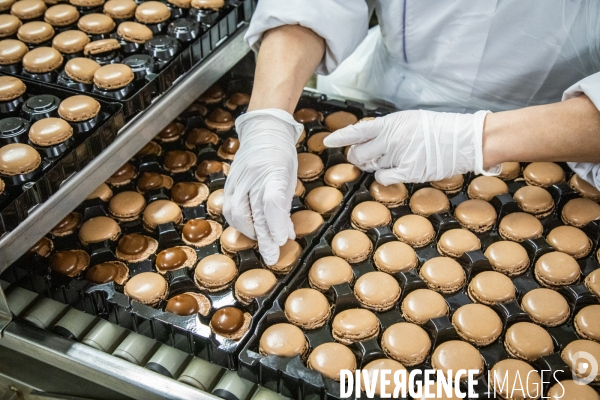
[260,185]
[416,146]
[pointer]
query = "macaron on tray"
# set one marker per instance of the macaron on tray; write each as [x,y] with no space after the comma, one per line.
[44,139]
[158,220]
[412,276]
[116,50]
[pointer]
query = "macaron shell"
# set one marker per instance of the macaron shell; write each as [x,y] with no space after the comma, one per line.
[86,3]
[421,305]
[557,269]
[339,174]
[570,240]
[584,188]
[233,241]
[113,76]
[455,355]
[592,281]
[570,356]
[535,200]
[580,212]
[476,215]
[208,4]
[391,196]
[409,352]
[18,159]
[377,291]
[215,272]
[69,42]
[120,9]
[307,308]
[78,108]
[134,32]
[12,51]
[543,174]
[427,201]
[478,324]
[50,131]
[28,9]
[11,88]
[520,226]
[587,322]
[61,15]
[340,119]
[370,214]
[509,170]
[450,185]
[101,46]
[351,245]
[306,222]
[456,242]
[329,271]
[254,283]
[486,187]
[443,274]
[9,25]
[126,204]
[353,325]
[414,230]
[330,359]
[528,341]
[508,257]
[491,287]
[395,256]
[574,391]
[147,288]
[152,12]
[42,59]
[310,166]
[545,307]
[99,229]
[5,5]
[324,200]
[511,373]
[81,69]
[283,340]
[380,365]
[289,254]
[35,32]
[96,24]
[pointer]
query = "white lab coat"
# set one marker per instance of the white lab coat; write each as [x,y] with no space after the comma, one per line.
[459,55]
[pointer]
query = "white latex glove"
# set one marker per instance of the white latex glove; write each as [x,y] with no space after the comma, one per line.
[415,146]
[260,186]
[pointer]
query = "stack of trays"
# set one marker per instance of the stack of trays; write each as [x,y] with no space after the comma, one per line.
[510,286]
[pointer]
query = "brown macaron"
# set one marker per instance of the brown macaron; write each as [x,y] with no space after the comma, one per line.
[315,144]
[455,242]
[174,258]
[214,203]
[5,5]
[233,241]
[200,232]
[9,25]
[208,5]
[228,149]
[113,76]
[134,32]
[12,51]
[86,3]
[570,389]
[96,24]
[235,100]
[409,352]
[351,245]
[18,159]
[421,305]
[527,341]
[99,229]
[339,174]
[587,322]
[545,307]
[189,194]
[475,215]
[509,170]
[81,69]
[28,9]
[108,271]
[450,185]
[324,199]
[368,215]
[147,288]
[556,269]
[207,167]
[329,271]
[101,46]
[310,167]
[215,272]
[307,308]
[42,60]
[543,174]
[455,355]
[152,12]
[50,132]
[330,359]
[220,120]
[443,274]
[340,119]
[35,32]
[477,324]
[508,257]
[120,9]
[68,225]
[42,248]
[69,262]
[307,115]
[200,136]
[289,254]
[584,188]
[491,288]
[150,149]
[570,240]
[126,206]
[354,325]
[61,15]
[253,284]
[153,181]
[123,175]
[377,291]
[520,226]
[161,212]
[414,230]
[395,256]
[306,222]
[189,303]
[70,42]
[213,95]
[133,248]
[179,161]
[391,196]
[283,340]
[580,212]
[427,201]
[230,322]
[78,108]
[535,200]
[486,187]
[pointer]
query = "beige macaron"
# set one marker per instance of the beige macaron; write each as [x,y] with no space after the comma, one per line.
[414,230]
[486,187]
[351,245]
[427,201]
[70,42]
[543,174]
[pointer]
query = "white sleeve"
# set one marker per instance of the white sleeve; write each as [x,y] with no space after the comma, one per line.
[342,23]
[591,87]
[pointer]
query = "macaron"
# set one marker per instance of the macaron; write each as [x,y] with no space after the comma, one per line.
[78,108]
[102,192]
[486,188]
[207,167]
[450,185]
[570,240]
[283,340]
[329,271]
[368,215]
[233,241]
[120,9]
[6,4]
[214,203]
[9,25]
[456,242]
[377,291]
[108,271]
[570,389]
[213,95]
[584,188]
[11,88]
[289,254]
[49,132]
[545,307]
[414,230]
[69,262]
[407,343]
[308,115]
[134,247]
[42,247]
[68,225]
[12,51]
[18,159]
[161,212]
[520,226]
[330,359]
[580,212]
[391,196]
[556,269]
[315,144]
[188,303]
[592,282]
[535,200]
[99,229]
[61,15]
[174,258]
[253,284]
[507,379]
[490,288]
[215,272]
[339,174]
[300,190]
[571,356]
[208,5]
[354,325]
[543,174]
[96,24]
[200,136]
[171,133]
[230,322]
[351,245]
[126,206]
[339,119]
[421,305]
[28,9]
[113,76]
[307,308]
[376,379]
[427,201]
[150,149]
[147,288]
[587,322]
[35,32]
[179,161]
[508,257]
[134,32]
[228,149]
[477,324]
[443,274]
[395,256]
[237,99]
[220,120]
[153,181]
[528,341]
[86,3]
[310,167]
[152,12]
[324,199]
[475,215]
[81,69]
[306,222]
[101,46]
[509,170]
[199,232]
[455,355]
[42,59]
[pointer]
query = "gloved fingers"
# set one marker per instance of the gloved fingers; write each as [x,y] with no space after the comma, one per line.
[369,166]
[291,231]
[239,213]
[389,176]
[367,152]
[276,207]
[354,134]
[269,250]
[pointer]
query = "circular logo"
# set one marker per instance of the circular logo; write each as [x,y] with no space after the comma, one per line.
[584,363]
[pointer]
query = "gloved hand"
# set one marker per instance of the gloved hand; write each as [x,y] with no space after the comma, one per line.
[260,185]
[415,146]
